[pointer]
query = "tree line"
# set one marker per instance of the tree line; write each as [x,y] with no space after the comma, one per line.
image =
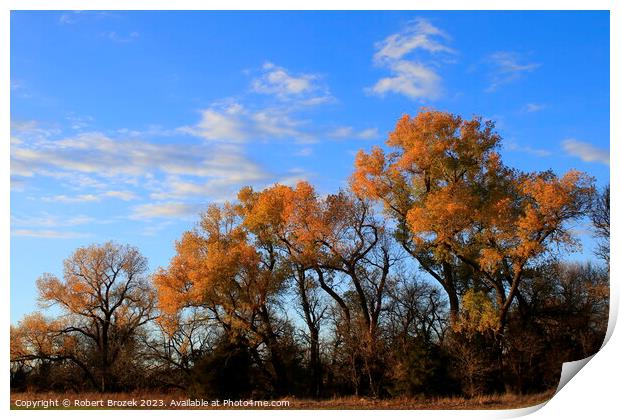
[438,271]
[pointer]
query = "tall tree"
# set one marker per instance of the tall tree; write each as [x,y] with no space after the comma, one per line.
[336,237]
[236,279]
[456,203]
[104,298]
[280,215]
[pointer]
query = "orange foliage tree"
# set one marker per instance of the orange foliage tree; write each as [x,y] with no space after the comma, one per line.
[323,237]
[104,297]
[284,217]
[235,278]
[456,203]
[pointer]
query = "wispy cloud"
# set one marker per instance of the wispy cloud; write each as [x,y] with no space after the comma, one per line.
[506,67]
[78,122]
[534,107]
[46,225]
[527,149]
[235,123]
[19,89]
[165,210]
[278,113]
[32,129]
[93,162]
[76,16]
[92,166]
[48,234]
[305,89]
[294,176]
[121,38]
[96,154]
[287,93]
[70,18]
[84,198]
[221,124]
[47,220]
[411,76]
[349,133]
[420,34]
[586,151]
[220,189]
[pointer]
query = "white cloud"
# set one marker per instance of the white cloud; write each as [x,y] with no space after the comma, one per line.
[228,124]
[78,122]
[75,16]
[46,220]
[507,66]
[19,89]
[236,120]
[121,195]
[419,35]
[305,89]
[414,80]
[96,154]
[165,210]
[368,134]
[411,77]
[341,132]
[217,189]
[277,124]
[278,81]
[120,38]
[31,130]
[586,151]
[100,167]
[70,18]
[82,198]
[316,100]
[534,107]
[294,176]
[349,133]
[527,149]
[48,234]
[234,123]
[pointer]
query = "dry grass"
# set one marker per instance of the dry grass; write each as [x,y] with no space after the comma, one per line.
[485,402]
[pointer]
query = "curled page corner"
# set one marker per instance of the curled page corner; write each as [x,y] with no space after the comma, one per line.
[570,369]
[521,412]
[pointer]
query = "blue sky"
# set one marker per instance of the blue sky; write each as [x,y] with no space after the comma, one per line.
[124,125]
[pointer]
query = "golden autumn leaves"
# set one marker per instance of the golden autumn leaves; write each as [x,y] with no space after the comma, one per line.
[446,183]
[443,183]
[104,298]
[474,225]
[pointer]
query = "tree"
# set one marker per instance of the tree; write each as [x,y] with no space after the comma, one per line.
[104,297]
[36,346]
[235,279]
[333,239]
[455,203]
[561,317]
[417,319]
[599,215]
[175,344]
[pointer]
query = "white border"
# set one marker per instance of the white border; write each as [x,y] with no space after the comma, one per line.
[592,394]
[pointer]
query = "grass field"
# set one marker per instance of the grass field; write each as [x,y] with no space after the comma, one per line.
[142,400]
